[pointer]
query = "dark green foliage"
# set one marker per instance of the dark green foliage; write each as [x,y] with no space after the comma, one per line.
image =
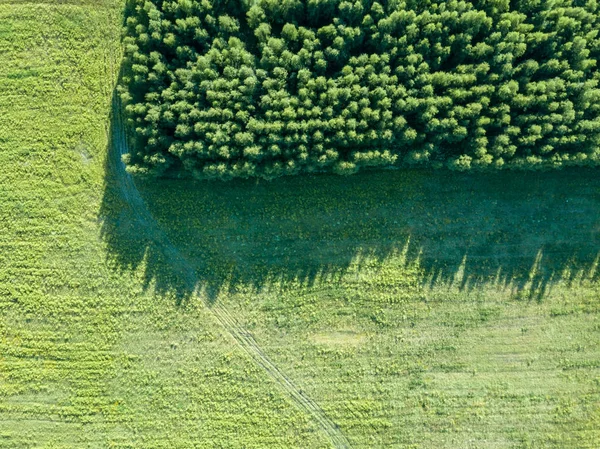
[227,89]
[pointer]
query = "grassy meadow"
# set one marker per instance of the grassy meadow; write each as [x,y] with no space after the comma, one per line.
[423,309]
[418,309]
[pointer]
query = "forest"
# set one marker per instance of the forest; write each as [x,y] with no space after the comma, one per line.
[225,89]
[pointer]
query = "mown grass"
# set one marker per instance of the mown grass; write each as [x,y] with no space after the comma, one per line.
[419,310]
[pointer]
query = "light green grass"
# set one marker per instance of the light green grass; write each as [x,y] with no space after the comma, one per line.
[419,310]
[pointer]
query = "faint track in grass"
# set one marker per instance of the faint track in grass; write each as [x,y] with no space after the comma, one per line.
[176,260]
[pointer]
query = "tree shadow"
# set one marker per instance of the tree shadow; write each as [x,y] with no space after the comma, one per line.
[519,230]
[131,234]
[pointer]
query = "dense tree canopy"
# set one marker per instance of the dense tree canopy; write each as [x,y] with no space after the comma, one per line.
[234,88]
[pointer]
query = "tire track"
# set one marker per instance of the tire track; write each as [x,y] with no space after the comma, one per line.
[174,257]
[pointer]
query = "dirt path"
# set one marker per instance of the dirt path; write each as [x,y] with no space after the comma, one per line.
[174,257]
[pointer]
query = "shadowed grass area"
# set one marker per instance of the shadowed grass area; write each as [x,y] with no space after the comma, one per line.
[519,230]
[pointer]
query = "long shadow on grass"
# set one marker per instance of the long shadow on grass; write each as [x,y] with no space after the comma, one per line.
[524,230]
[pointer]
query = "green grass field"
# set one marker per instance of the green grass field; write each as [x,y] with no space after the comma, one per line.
[424,309]
[417,309]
